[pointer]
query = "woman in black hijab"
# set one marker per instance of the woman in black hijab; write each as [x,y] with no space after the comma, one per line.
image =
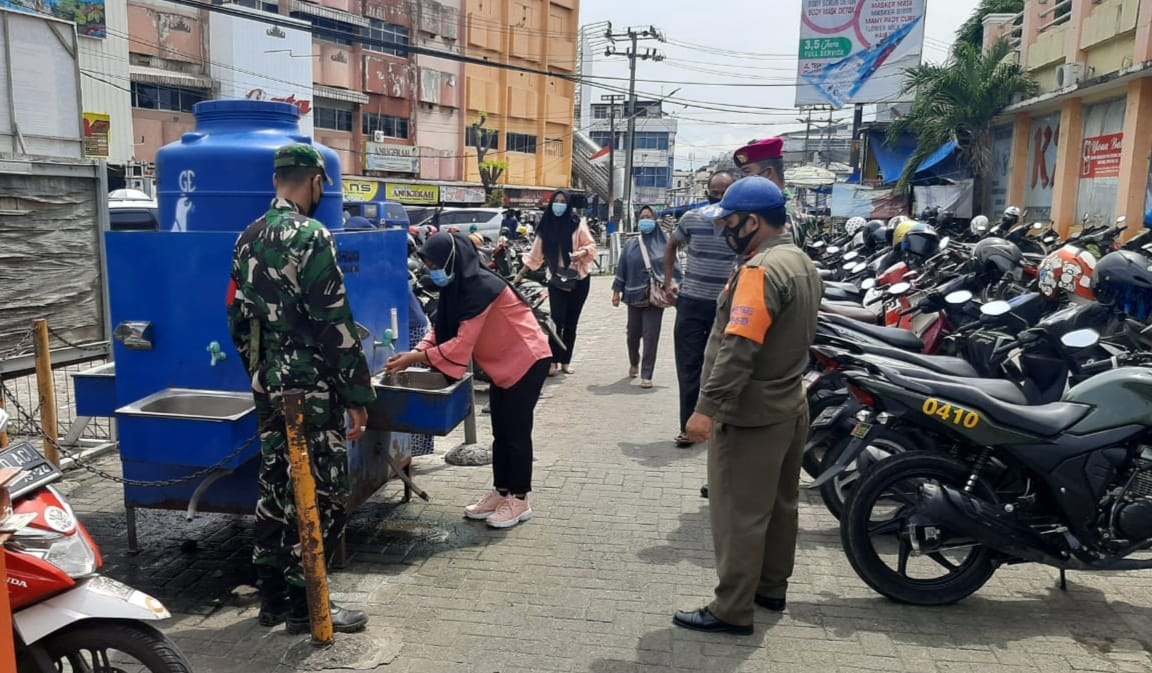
[480,317]
[568,249]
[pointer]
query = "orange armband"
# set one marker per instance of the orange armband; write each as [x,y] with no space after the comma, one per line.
[750,317]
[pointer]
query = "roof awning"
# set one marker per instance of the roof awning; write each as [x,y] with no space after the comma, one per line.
[327,13]
[332,93]
[140,73]
[892,158]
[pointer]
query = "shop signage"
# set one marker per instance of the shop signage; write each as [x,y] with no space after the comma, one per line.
[527,197]
[391,158]
[96,134]
[360,190]
[1101,156]
[416,195]
[462,194]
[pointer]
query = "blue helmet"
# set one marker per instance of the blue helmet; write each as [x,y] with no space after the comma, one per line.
[752,194]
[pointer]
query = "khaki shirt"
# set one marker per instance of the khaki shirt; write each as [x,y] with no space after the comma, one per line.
[758,349]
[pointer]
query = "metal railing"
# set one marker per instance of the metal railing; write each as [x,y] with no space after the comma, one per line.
[1061,13]
[18,372]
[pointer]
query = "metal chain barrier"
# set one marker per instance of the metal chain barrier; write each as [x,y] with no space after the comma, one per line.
[31,420]
[21,346]
[71,344]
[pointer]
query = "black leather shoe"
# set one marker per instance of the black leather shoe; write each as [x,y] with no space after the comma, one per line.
[344,620]
[704,620]
[773,604]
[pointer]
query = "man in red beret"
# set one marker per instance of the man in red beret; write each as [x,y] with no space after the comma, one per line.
[766,159]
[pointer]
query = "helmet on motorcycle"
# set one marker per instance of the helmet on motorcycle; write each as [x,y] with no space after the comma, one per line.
[979,224]
[895,221]
[1122,279]
[993,258]
[944,218]
[853,225]
[900,231]
[875,236]
[921,240]
[1011,215]
[1068,270]
[929,214]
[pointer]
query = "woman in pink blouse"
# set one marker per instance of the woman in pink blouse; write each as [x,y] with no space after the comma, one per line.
[565,245]
[480,317]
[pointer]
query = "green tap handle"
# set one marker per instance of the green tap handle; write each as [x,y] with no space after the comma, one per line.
[388,340]
[216,353]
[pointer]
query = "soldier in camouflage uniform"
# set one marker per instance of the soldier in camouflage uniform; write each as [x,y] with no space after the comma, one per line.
[291,322]
[766,159]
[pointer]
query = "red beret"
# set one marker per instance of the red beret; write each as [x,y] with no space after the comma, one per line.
[769,148]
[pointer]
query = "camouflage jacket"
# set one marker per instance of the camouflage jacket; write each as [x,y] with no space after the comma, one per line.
[287,300]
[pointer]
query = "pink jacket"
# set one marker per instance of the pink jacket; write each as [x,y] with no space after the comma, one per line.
[581,240]
[505,341]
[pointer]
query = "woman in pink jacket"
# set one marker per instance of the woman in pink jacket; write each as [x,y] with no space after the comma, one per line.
[481,317]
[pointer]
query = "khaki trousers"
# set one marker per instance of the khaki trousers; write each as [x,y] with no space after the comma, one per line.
[753,498]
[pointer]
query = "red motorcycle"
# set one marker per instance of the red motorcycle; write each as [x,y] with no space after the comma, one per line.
[67,617]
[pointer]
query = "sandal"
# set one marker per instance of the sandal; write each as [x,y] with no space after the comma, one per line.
[567,369]
[682,441]
[633,372]
[553,371]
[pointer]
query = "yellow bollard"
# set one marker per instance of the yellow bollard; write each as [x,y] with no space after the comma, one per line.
[46,384]
[308,519]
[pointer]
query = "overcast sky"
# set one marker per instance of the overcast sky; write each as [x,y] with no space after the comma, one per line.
[729,54]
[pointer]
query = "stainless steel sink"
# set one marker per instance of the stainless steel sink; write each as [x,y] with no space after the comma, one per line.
[202,405]
[416,379]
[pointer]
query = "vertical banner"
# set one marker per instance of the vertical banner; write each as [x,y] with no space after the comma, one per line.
[96,128]
[855,51]
[1099,181]
[1044,138]
[999,171]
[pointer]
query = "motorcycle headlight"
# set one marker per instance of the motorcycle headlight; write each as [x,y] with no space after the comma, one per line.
[69,553]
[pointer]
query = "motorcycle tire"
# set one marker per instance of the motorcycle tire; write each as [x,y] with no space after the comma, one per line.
[966,577]
[817,403]
[147,645]
[837,492]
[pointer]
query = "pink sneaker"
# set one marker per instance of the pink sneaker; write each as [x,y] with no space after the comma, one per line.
[510,512]
[486,507]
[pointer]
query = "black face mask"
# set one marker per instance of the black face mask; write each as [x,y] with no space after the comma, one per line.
[712,198]
[732,237]
[315,204]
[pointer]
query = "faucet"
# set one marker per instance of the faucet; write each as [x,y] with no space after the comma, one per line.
[216,353]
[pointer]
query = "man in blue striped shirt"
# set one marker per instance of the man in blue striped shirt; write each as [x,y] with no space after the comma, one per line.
[710,263]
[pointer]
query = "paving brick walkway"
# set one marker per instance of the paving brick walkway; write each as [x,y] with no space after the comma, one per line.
[620,541]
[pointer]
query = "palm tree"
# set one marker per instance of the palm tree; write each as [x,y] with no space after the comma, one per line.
[957,101]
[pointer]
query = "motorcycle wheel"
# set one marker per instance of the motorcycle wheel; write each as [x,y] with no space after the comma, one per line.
[87,646]
[818,441]
[837,492]
[968,566]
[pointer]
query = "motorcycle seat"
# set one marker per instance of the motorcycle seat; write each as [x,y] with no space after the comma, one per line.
[833,293]
[826,273]
[941,364]
[1001,389]
[893,336]
[1043,420]
[847,288]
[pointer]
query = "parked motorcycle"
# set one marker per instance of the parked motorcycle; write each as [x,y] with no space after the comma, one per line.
[67,616]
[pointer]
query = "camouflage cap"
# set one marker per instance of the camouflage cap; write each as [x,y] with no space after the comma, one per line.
[299,154]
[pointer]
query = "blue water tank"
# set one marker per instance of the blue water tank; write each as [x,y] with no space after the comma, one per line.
[219,177]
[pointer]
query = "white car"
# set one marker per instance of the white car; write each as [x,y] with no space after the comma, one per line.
[132,210]
[487,220]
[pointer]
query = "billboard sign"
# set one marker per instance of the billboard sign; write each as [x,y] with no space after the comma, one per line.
[96,131]
[414,195]
[360,190]
[87,14]
[855,51]
[391,158]
[252,59]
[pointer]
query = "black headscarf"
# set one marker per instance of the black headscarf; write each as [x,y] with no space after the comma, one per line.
[555,233]
[473,288]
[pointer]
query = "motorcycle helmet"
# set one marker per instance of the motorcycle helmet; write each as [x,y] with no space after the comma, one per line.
[895,221]
[978,225]
[993,258]
[1067,271]
[853,225]
[1011,215]
[900,231]
[875,236]
[929,214]
[944,218]
[921,240]
[1122,279]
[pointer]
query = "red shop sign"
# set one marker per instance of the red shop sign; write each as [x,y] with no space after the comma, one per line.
[1101,156]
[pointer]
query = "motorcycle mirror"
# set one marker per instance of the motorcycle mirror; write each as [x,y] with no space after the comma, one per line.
[1081,338]
[817,244]
[849,256]
[859,266]
[958,297]
[996,308]
[833,249]
[3,420]
[362,332]
[899,289]
[868,284]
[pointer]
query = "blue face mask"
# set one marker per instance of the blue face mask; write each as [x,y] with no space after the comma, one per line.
[440,277]
[647,226]
[559,209]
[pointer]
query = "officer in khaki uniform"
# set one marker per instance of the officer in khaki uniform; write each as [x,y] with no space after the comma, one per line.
[752,407]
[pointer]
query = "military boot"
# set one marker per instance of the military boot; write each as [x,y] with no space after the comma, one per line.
[344,620]
[273,595]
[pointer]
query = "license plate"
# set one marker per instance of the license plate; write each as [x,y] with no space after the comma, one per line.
[825,417]
[37,470]
[861,430]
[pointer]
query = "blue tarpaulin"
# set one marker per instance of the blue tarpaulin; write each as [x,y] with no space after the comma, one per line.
[892,158]
[679,211]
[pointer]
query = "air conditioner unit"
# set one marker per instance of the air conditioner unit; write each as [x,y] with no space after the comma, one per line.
[1069,75]
[378,136]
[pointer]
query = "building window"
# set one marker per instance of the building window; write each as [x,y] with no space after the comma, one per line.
[489,138]
[601,139]
[387,32]
[393,127]
[651,176]
[599,111]
[651,140]
[330,31]
[270,7]
[332,118]
[521,142]
[170,98]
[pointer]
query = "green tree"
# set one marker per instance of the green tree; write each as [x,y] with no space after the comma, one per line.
[971,32]
[485,140]
[957,101]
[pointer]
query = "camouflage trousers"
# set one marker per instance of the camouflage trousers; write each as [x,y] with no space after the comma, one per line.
[276,532]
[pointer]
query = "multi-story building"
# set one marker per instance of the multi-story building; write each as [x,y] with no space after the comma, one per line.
[105,92]
[529,116]
[1082,146]
[655,147]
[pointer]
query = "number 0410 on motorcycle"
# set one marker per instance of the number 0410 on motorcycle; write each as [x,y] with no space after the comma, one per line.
[950,413]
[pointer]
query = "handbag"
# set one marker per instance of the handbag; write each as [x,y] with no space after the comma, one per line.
[658,297]
[563,280]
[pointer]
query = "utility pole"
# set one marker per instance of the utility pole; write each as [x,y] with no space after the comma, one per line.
[807,136]
[828,144]
[633,54]
[612,100]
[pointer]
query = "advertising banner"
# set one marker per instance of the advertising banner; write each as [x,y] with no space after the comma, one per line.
[999,171]
[253,59]
[96,128]
[88,14]
[414,195]
[1041,170]
[1099,181]
[855,51]
[361,190]
[391,158]
[856,200]
[450,194]
[1101,156]
[956,197]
